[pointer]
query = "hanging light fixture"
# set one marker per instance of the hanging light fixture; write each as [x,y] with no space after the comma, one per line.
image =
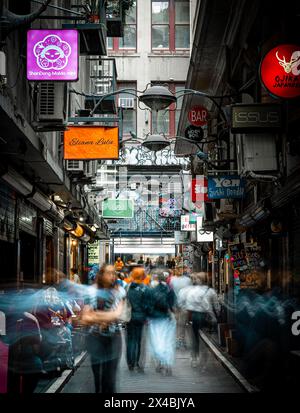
[156,142]
[157,97]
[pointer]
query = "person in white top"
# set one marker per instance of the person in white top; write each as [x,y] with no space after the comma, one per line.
[177,283]
[201,301]
[74,276]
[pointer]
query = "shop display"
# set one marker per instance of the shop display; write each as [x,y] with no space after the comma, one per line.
[245,260]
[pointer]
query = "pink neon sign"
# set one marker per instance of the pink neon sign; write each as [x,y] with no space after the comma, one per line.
[52,55]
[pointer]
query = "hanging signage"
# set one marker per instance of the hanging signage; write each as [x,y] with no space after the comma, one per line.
[198,116]
[226,187]
[94,253]
[52,55]
[117,208]
[199,223]
[188,222]
[194,133]
[280,70]
[204,236]
[184,148]
[199,189]
[255,118]
[238,257]
[91,142]
[93,260]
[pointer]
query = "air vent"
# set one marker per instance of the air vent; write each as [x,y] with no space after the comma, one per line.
[47,99]
[126,103]
[51,103]
[74,166]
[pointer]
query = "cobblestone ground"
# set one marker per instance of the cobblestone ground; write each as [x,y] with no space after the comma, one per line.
[208,377]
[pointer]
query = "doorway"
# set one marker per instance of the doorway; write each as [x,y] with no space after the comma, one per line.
[27,257]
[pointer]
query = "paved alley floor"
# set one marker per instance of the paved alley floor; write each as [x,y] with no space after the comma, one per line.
[209,377]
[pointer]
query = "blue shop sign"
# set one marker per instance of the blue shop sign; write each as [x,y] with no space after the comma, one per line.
[228,186]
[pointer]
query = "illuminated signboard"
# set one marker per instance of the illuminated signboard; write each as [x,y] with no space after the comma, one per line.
[52,55]
[198,116]
[117,208]
[247,118]
[204,236]
[91,142]
[228,186]
[199,189]
[280,70]
[188,222]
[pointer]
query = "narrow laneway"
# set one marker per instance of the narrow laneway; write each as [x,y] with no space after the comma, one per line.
[212,377]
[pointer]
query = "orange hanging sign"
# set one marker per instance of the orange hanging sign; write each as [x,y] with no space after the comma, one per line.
[91,142]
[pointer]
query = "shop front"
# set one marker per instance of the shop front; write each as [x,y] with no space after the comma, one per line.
[7,234]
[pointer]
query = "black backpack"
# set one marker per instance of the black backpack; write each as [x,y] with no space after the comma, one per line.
[161,298]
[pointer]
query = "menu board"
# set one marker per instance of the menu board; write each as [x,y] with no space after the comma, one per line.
[245,262]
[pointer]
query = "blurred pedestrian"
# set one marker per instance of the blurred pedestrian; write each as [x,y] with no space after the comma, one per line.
[162,325]
[178,282]
[74,277]
[138,296]
[101,314]
[119,264]
[141,260]
[24,337]
[201,301]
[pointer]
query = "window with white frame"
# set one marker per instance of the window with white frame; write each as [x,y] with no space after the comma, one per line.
[127,102]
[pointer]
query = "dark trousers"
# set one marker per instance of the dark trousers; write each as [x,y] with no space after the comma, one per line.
[134,339]
[105,376]
[198,322]
[22,383]
[105,352]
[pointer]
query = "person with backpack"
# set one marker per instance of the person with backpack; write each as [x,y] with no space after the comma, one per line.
[162,324]
[138,297]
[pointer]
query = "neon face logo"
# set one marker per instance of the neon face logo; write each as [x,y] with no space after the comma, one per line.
[52,53]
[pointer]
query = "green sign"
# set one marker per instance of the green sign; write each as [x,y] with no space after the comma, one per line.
[117,208]
[94,253]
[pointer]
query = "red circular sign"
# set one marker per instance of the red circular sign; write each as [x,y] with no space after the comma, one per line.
[198,116]
[280,71]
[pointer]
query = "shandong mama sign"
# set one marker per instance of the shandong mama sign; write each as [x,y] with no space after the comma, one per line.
[52,55]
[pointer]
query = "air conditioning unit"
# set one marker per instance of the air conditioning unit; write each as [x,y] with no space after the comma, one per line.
[256,152]
[74,166]
[96,70]
[90,169]
[126,103]
[51,106]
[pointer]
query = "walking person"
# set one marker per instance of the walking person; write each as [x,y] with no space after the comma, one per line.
[141,260]
[162,325]
[201,301]
[119,264]
[138,297]
[104,336]
[74,277]
[178,282]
